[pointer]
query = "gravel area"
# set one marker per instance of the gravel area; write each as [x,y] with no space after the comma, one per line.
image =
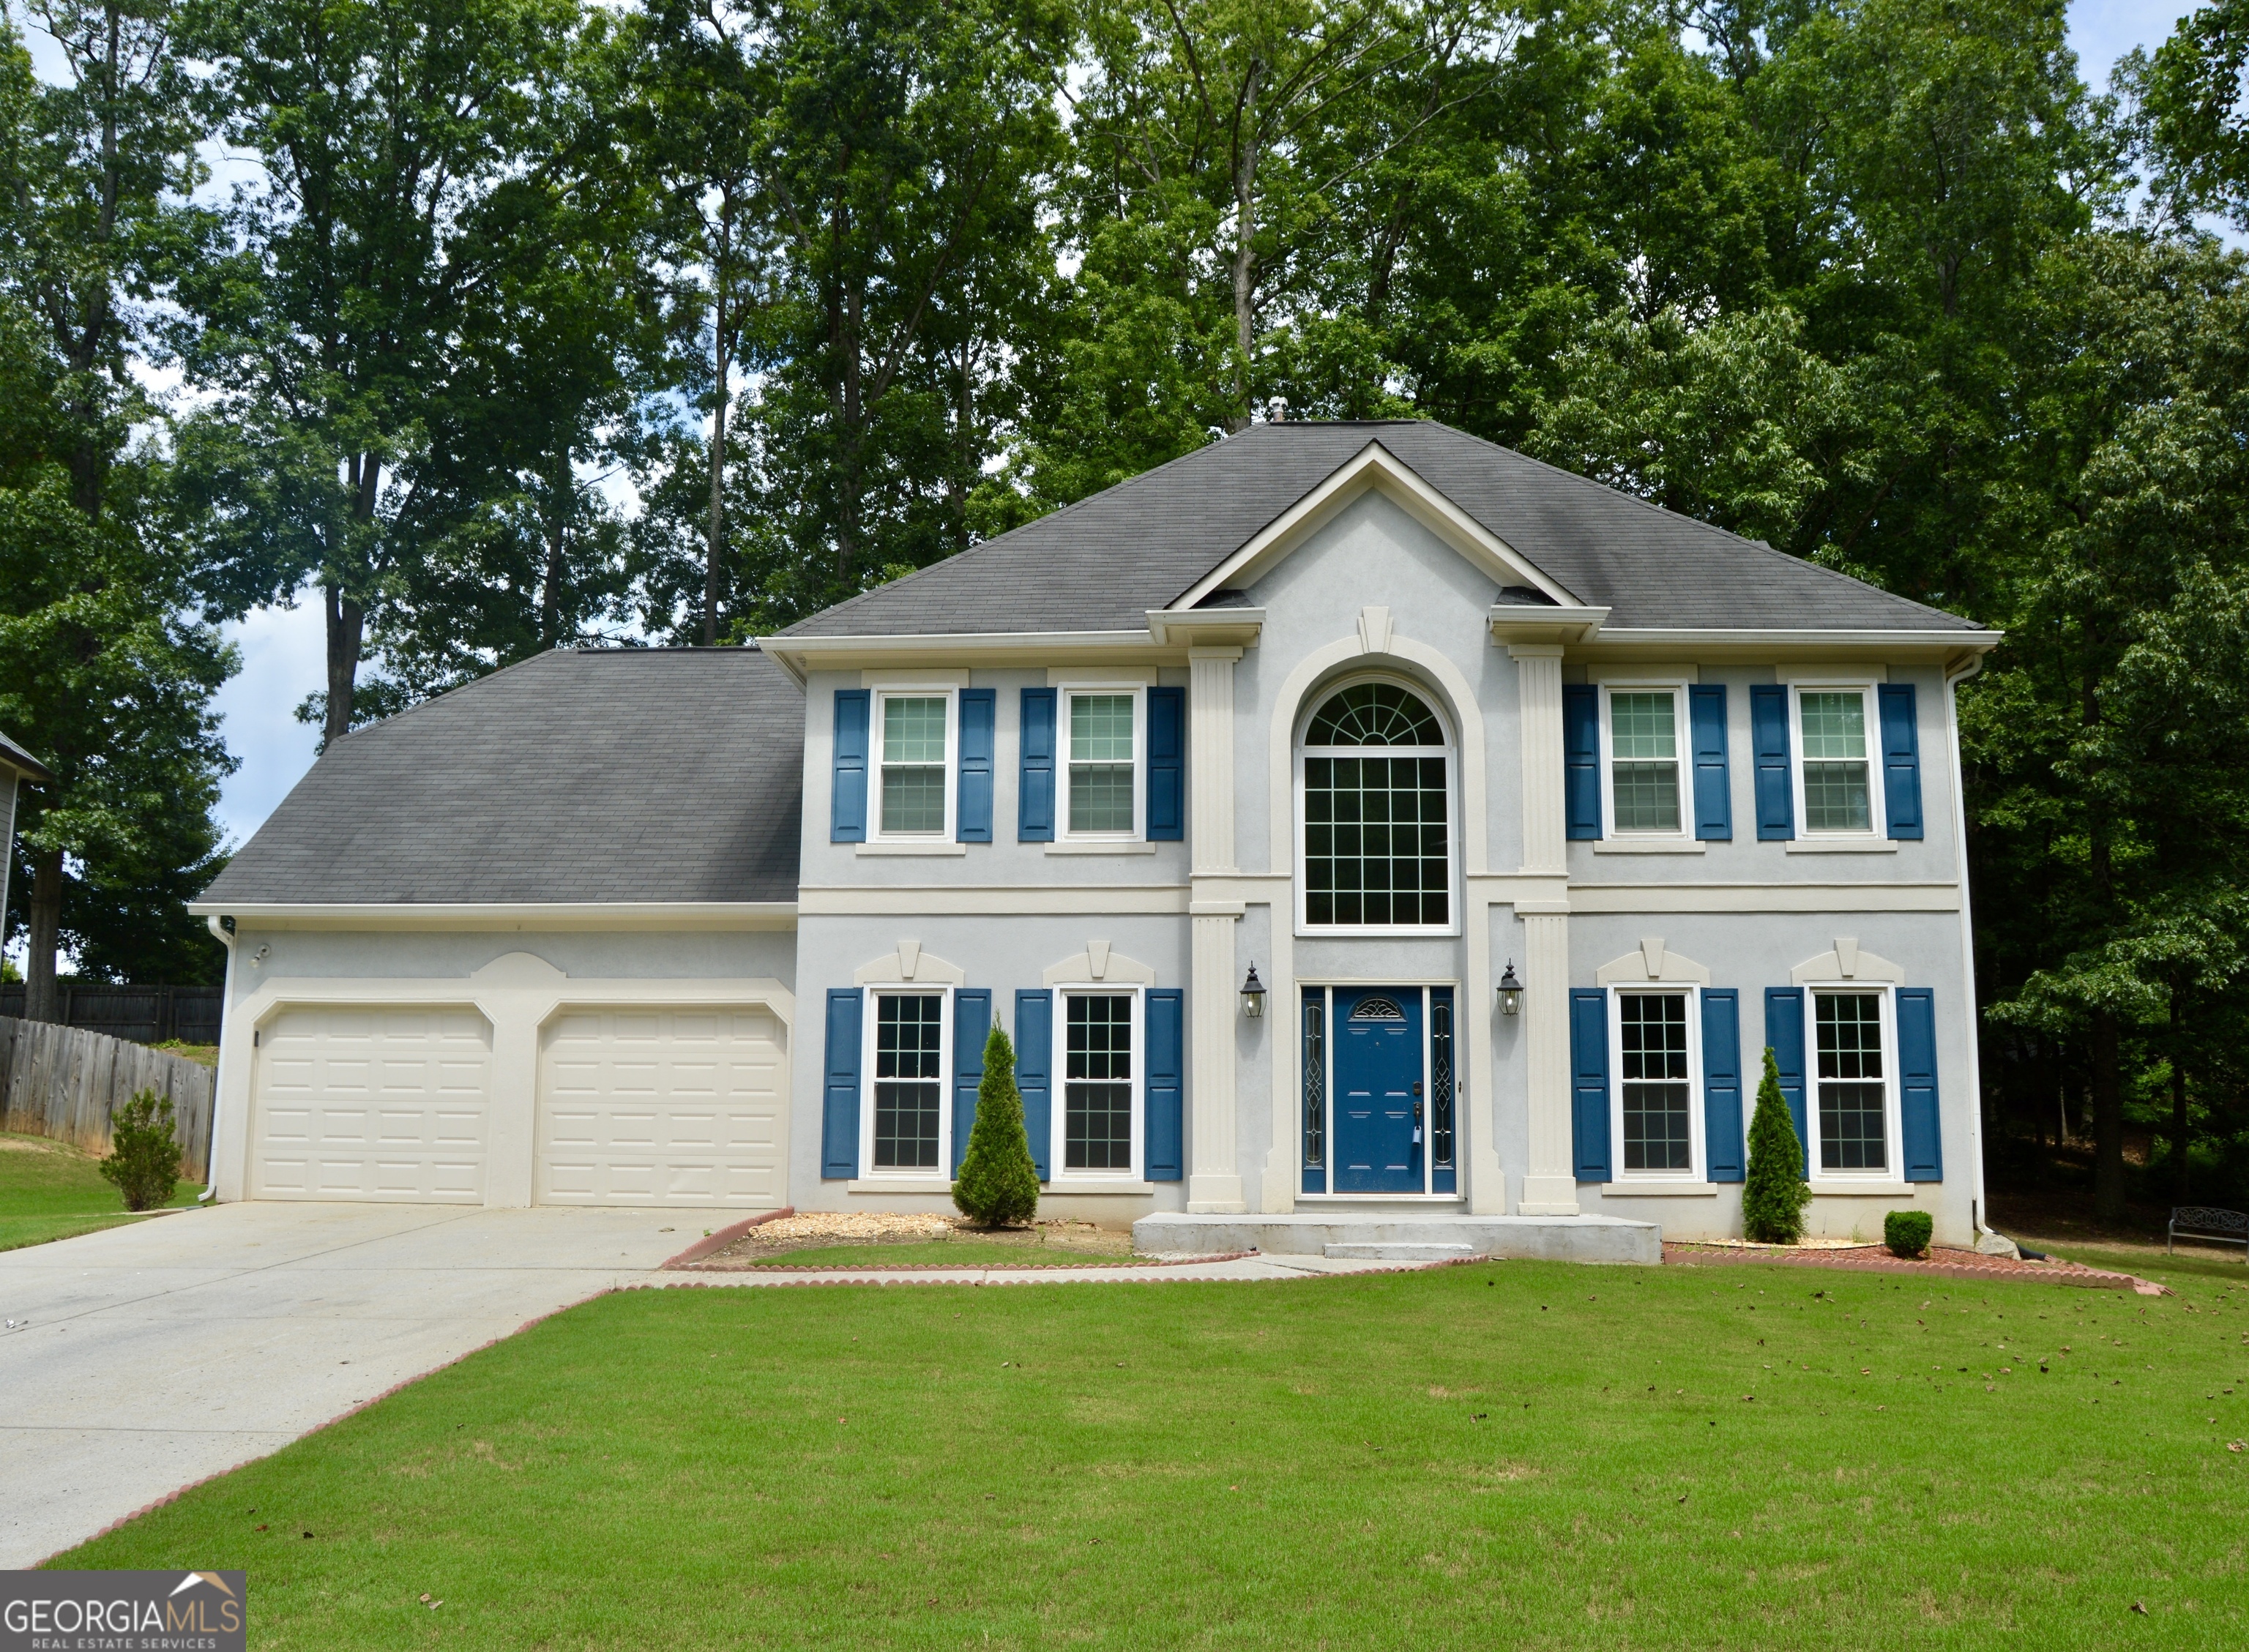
[1048,1242]
[1945,1263]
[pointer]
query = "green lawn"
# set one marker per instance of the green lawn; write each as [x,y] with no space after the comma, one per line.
[49,1191]
[1514,1454]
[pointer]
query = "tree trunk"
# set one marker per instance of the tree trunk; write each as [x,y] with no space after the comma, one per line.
[2179,1168]
[346,634]
[716,546]
[1245,247]
[2107,1120]
[44,924]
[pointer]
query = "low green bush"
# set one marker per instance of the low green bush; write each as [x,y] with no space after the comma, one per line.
[1907,1232]
[144,1156]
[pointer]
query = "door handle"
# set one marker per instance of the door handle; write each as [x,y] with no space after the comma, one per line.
[1417,1086]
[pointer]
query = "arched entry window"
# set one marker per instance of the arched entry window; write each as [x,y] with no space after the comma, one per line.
[1377,791]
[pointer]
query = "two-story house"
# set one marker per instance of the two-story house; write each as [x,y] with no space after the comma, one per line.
[1346,822]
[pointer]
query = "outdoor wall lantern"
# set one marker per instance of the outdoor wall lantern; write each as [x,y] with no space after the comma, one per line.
[1510,991]
[1253,995]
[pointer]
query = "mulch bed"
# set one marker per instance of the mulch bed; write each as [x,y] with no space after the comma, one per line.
[1940,1262]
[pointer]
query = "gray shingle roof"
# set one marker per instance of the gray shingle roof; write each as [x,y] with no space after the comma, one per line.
[1102,563]
[15,760]
[599,775]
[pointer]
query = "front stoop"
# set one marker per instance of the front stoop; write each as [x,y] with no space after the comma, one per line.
[1420,1238]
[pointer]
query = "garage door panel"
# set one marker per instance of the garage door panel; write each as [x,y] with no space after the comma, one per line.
[360,1103]
[661,1107]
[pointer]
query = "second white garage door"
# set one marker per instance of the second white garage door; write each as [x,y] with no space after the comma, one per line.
[663,1107]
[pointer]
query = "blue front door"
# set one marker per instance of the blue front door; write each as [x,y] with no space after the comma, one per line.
[1377,1090]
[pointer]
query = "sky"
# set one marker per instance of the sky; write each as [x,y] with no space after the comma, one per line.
[283,650]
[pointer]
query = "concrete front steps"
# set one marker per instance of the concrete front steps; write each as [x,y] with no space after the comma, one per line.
[1384,1235]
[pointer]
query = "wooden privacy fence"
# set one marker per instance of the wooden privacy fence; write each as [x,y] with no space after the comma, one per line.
[66,1083]
[146,1015]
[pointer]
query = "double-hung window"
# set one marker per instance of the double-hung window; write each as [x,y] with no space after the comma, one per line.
[1838,781]
[1101,745]
[1643,736]
[1855,1116]
[1101,1084]
[913,744]
[1655,1057]
[906,1115]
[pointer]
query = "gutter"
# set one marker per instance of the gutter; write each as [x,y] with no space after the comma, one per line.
[222,931]
[1978,1204]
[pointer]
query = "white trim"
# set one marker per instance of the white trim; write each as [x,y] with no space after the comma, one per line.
[1682,761]
[1109,687]
[948,769]
[1374,467]
[1849,962]
[1060,1179]
[1877,826]
[1892,1145]
[1952,682]
[1697,639]
[1652,964]
[507,914]
[1455,804]
[869,1170]
[801,656]
[1697,1170]
[909,966]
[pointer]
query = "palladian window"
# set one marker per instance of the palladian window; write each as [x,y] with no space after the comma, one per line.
[1378,842]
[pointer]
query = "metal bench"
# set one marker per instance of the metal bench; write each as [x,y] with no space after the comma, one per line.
[2202,1221]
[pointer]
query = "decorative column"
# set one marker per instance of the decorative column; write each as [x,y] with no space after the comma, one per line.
[1213,1169]
[1550,1183]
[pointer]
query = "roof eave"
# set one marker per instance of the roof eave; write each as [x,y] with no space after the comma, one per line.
[1783,645]
[800,656]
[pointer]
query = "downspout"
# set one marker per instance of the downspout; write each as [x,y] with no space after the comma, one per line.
[222,931]
[8,849]
[1977,1205]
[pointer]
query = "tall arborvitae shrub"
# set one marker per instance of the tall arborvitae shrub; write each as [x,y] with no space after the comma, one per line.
[998,1185]
[1773,1194]
[144,1156]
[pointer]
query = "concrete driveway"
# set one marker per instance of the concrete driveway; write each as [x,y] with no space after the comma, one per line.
[148,1357]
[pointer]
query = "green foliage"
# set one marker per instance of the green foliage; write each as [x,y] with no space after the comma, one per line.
[1907,1232]
[144,1159]
[1774,1192]
[998,1185]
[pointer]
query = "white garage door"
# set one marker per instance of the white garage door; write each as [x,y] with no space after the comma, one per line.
[670,1107]
[368,1102]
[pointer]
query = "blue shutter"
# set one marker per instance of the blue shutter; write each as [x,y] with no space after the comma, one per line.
[1167,774]
[847,799]
[1917,1035]
[1784,1031]
[1713,803]
[1581,758]
[973,816]
[972,1025]
[1035,1054]
[839,1114]
[1589,1068]
[1721,1083]
[1164,1152]
[1900,759]
[1776,791]
[1035,797]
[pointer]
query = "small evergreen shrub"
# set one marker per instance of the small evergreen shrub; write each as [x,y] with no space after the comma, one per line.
[1773,1193]
[998,1185]
[1907,1232]
[144,1158]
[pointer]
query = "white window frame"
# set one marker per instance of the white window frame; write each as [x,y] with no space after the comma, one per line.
[868,1019]
[1138,691]
[889,691]
[1698,1160]
[1059,1176]
[1453,809]
[1877,806]
[1682,738]
[1893,1148]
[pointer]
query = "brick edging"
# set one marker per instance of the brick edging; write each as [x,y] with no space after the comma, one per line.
[1859,1262]
[723,1236]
